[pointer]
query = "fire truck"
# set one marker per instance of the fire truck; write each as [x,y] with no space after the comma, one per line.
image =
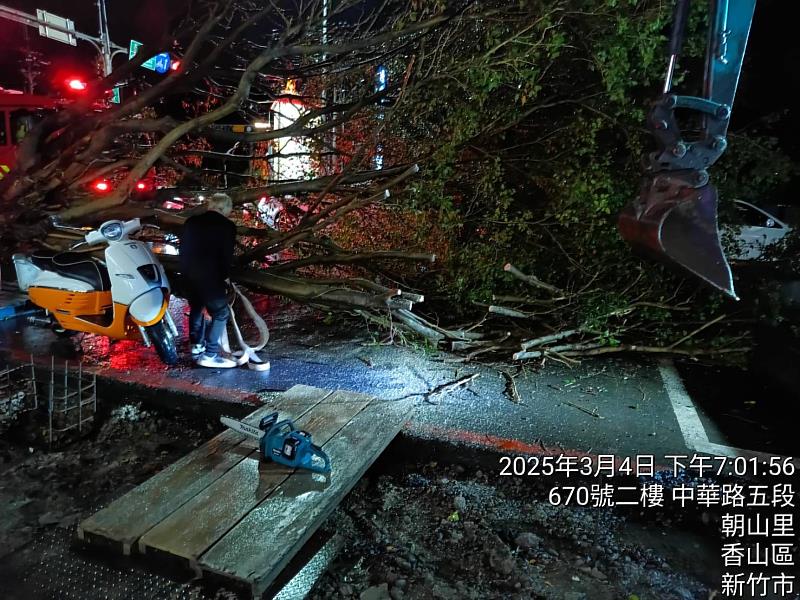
[18,114]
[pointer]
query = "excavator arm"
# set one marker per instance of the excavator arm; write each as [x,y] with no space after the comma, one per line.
[675,215]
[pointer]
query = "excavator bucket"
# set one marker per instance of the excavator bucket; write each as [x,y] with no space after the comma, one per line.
[680,228]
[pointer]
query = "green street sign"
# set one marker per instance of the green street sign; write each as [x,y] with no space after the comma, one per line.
[116,98]
[133,48]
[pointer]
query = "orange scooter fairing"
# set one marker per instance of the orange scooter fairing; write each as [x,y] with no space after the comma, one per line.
[89,312]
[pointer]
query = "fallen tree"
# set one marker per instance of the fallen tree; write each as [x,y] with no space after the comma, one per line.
[231,74]
[525,122]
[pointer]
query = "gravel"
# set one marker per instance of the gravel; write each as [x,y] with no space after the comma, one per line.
[430,531]
[409,531]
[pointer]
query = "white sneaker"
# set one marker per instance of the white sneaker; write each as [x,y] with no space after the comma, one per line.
[215,361]
[198,349]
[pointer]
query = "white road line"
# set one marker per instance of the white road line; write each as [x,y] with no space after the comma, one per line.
[688,419]
[694,434]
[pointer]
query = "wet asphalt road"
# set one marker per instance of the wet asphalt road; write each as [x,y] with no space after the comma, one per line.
[616,406]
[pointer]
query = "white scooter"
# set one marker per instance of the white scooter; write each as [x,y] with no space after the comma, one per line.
[124,297]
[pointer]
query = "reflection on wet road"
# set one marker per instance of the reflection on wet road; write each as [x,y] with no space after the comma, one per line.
[610,406]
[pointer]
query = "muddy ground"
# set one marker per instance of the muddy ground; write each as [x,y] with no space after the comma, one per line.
[410,529]
[46,492]
[457,532]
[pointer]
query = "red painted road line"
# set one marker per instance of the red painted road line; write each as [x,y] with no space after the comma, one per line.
[175,384]
[162,381]
[152,380]
[508,446]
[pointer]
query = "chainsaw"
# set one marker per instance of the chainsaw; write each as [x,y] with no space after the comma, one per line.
[281,442]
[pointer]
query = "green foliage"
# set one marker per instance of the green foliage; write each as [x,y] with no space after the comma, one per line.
[751,167]
[530,144]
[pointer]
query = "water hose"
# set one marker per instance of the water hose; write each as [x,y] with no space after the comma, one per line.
[248,352]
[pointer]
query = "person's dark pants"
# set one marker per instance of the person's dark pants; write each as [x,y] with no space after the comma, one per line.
[212,297]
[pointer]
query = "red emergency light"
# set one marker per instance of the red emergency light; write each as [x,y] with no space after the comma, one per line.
[76,84]
[144,186]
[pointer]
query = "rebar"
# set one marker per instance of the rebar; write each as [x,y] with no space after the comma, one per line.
[80,396]
[50,398]
[71,406]
[33,384]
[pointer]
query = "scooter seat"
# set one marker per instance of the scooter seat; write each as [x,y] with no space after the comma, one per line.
[76,266]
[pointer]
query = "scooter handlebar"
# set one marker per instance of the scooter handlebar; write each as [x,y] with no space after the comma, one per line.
[94,237]
[132,226]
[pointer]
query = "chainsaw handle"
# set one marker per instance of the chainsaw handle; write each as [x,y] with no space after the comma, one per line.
[266,422]
[284,427]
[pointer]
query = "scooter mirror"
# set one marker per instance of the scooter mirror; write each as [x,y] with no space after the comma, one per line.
[131,226]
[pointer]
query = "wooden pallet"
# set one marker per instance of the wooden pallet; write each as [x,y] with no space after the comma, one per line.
[225,512]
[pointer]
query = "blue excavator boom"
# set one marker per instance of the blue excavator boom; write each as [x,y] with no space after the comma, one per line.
[675,215]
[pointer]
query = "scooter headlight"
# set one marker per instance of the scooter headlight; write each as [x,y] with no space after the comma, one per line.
[112,231]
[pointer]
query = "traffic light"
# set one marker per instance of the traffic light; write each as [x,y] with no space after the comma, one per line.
[175,65]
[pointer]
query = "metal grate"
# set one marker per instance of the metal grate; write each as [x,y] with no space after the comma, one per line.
[301,584]
[68,398]
[66,574]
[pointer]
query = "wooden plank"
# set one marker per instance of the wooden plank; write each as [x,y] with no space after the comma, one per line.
[199,523]
[257,549]
[126,519]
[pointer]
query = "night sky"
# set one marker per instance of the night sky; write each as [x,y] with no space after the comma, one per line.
[143,20]
[770,78]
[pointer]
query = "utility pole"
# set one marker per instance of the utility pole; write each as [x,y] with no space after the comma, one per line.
[105,39]
[28,66]
[31,65]
[324,37]
[325,10]
[103,44]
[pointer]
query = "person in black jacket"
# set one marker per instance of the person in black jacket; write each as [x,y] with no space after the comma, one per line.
[206,254]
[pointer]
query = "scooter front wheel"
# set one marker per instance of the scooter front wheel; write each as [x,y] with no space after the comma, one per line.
[164,342]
